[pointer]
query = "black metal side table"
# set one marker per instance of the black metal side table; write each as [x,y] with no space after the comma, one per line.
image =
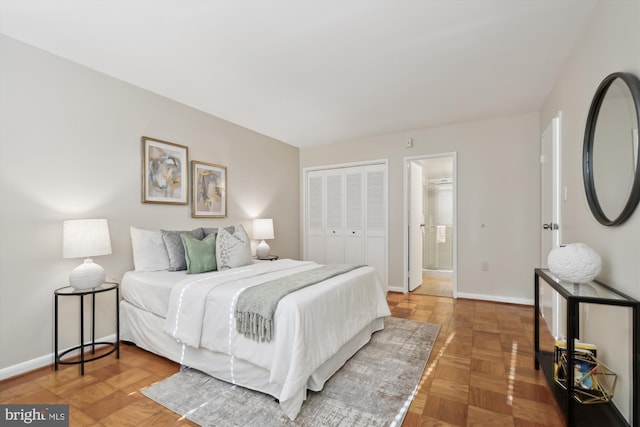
[70,291]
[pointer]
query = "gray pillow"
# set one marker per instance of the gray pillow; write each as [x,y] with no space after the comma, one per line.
[175,248]
[214,230]
[233,249]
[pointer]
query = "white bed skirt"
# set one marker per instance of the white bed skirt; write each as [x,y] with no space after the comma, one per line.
[145,329]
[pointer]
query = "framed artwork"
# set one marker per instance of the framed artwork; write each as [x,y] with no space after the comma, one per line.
[209,186]
[164,172]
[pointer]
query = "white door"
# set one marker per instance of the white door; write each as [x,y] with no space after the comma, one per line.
[550,197]
[334,205]
[354,252]
[375,217]
[346,216]
[415,225]
[314,241]
[552,305]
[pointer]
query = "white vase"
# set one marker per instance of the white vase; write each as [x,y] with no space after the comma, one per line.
[574,262]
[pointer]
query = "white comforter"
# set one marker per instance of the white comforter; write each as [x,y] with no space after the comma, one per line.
[311,324]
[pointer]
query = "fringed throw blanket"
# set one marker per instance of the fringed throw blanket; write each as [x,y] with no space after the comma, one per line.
[256,305]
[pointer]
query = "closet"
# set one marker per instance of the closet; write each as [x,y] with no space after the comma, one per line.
[345,215]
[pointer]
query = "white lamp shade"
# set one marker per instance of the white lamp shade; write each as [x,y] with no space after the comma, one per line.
[86,238]
[263,229]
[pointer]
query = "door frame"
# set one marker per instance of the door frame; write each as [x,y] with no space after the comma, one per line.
[553,199]
[405,217]
[415,195]
[551,177]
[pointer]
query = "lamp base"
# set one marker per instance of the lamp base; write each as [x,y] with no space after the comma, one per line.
[87,275]
[262,250]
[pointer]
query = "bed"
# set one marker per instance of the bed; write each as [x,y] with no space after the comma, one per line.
[190,319]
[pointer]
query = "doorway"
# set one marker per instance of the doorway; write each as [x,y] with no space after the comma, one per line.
[430,203]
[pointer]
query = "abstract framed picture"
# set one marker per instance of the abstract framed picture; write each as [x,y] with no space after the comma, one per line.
[209,190]
[165,177]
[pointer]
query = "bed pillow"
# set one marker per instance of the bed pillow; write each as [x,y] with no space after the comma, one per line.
[149,250]
[175,248]
[233,249]
[200,255]
[214,230]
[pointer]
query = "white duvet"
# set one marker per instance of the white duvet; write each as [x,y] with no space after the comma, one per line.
[310,325]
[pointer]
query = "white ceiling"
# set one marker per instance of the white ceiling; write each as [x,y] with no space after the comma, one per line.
[318,71]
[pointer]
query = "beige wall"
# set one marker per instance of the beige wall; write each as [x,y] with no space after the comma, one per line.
[611,43]
[70,148]
[497,186]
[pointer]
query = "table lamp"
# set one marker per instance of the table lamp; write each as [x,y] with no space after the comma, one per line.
[84,238]
[262,230]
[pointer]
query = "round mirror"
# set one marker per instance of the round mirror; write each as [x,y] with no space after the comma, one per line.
[610,156]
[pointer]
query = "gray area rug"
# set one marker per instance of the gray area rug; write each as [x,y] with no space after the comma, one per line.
[374,387]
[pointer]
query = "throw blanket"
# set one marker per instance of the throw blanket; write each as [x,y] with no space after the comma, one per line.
[256,305]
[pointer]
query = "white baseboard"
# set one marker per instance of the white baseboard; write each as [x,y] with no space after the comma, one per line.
[39,362]
[494,298]
[482,297]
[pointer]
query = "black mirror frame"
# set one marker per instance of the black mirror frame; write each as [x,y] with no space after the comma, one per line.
[633,84]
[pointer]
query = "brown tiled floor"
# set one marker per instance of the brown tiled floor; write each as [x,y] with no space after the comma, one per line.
[481,369]
[435,286]
[480,373]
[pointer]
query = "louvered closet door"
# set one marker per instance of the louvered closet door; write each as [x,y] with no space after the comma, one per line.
[346,216]
[334,213]
[354,252]
[376,207]
[315,217]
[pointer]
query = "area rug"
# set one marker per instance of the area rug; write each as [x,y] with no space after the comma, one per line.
[374,387]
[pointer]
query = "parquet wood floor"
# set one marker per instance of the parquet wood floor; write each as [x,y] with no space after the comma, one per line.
[480,373]
[435,286]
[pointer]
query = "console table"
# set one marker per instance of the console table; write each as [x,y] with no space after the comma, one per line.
[577,414]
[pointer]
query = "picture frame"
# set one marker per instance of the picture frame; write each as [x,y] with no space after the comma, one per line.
[165,177]
[209,190]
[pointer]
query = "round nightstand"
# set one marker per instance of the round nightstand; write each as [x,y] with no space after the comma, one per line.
[69,291]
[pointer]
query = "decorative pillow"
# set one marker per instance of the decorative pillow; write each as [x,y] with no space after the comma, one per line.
[175,248]
[149,250]
[214,230]
[199,254]
[233,249]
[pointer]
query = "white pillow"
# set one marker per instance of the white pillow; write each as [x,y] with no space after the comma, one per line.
[149,250]
[233,250]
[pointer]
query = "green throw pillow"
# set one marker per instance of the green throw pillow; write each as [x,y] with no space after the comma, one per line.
[200,254]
